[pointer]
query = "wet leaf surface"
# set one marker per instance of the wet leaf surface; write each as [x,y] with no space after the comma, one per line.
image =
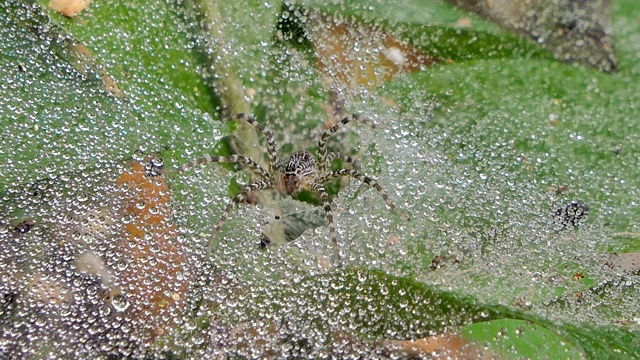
[481,139]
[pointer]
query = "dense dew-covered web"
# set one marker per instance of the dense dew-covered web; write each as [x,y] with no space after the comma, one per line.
[105,250]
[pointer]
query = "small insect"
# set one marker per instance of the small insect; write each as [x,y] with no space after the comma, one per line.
[302,171]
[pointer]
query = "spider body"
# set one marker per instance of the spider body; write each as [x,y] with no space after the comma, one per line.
[302,171]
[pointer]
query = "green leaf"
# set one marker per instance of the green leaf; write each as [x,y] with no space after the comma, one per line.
[521,339]
[72,119]
[165,52]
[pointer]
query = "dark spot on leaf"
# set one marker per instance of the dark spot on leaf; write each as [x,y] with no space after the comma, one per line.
[153,167]
[571,214]
[24,226]
[264,241]
[437,262]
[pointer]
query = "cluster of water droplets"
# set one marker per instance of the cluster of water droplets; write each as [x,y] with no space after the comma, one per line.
[71,280]
[84,273]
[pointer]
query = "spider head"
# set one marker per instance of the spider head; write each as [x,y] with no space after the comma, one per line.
[300,172]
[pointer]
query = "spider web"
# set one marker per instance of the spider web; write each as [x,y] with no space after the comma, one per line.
[101,258]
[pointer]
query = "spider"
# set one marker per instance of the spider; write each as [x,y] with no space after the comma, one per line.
[302,171]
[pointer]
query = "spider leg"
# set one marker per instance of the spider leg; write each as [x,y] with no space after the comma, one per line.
[258,185]
[344,158]
[322,143]
[319,188]
[271,141]
[238,159]
[365,179]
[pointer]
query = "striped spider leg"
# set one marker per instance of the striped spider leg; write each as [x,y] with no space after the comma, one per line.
[303,172]
[265,179]
[264,182]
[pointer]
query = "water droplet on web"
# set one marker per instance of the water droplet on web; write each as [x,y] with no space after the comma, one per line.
[120,302]
[464,178]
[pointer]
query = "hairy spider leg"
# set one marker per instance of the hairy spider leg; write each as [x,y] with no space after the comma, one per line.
[271,141]
[346,159]
[237,159]
[365,179]
[324,196]
[258,185]
[322,143]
